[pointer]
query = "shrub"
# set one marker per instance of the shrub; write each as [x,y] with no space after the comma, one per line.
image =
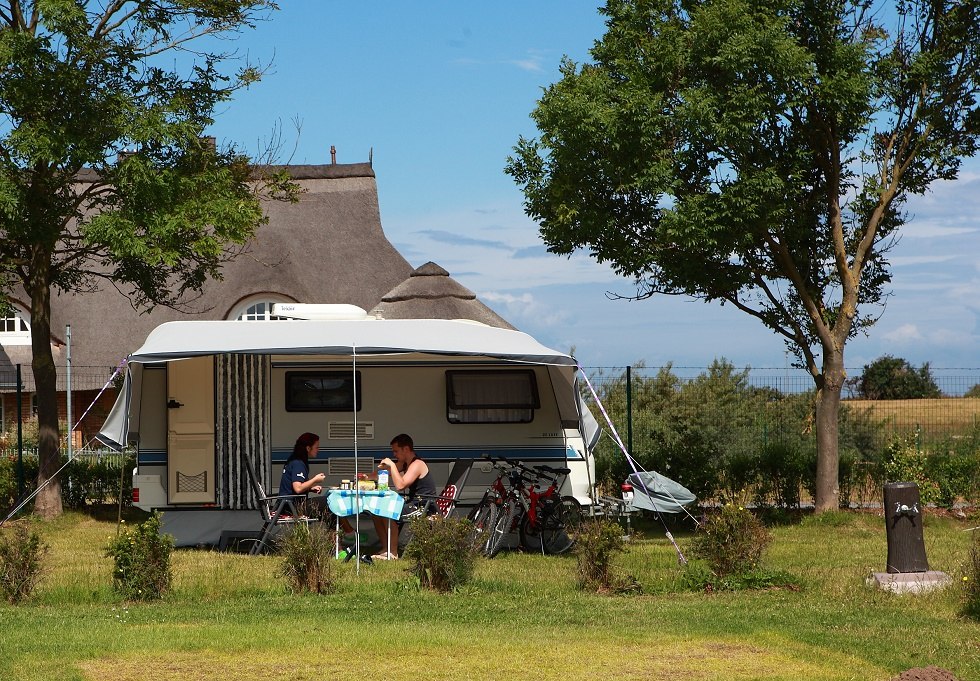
[956,475]
[307,558]
[443,552]
[905,463]
[597,541]
[732,541]
[10,479]
[782,469]
[141,556]
[893,378]
[89,481]
[698,576]
[972,581]
[21,552]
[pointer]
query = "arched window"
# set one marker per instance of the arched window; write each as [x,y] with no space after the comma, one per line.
[15,329]
[257,310]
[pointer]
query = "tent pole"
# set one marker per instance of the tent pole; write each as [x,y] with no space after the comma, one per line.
[357,487]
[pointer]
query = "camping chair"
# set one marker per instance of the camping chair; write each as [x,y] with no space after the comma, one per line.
[276,511]
[442,505]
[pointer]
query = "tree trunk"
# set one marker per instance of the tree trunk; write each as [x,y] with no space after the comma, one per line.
[47,503]
[828,453]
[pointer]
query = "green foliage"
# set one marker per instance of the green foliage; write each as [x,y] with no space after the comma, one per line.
[757,154]
[91,481]
[10,478]
[717,434]
[597,541]
[699,577]
[443,552]
[21,553]
[732,541]
[141,557]
[956,475]
[974,391]
[105,174]
[893,378]
[307,552]
[905,462]
[86,481]
[971,580]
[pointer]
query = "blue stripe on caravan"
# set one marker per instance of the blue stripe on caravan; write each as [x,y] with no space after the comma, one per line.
[151,456]
[543,453]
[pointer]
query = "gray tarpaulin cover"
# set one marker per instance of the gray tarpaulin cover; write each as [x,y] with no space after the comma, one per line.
[666,496]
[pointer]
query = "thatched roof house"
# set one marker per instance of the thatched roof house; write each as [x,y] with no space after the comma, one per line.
[430,293]
[329,247]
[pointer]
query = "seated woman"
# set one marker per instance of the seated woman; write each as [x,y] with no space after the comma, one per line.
[410,475]
[296,478]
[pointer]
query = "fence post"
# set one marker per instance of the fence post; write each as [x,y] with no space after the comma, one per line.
[629,410]
[20,436]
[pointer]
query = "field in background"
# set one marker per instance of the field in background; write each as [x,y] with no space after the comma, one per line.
[946,415]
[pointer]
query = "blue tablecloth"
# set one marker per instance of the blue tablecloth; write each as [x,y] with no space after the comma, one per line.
[345,502]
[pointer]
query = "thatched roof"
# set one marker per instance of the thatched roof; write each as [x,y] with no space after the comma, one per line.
[430,293]
[328,247]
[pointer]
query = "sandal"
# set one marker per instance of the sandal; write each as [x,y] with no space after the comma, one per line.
[384,556]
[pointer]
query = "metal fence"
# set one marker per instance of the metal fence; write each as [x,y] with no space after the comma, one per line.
[667,415]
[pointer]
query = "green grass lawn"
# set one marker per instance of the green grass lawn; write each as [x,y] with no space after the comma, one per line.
[230,617]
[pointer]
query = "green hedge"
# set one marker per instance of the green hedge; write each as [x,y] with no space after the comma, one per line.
[86,481]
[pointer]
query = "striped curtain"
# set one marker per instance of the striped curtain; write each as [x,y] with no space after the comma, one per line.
[242,406]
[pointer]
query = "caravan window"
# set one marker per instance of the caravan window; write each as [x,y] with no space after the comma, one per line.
[322,390]
[498,396]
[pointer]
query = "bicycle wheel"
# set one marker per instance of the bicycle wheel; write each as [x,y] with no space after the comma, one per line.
[484,519]
[501,528]
[530,533]
[560,526]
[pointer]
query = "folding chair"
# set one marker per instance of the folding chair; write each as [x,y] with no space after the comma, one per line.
[444,503]
[276,511]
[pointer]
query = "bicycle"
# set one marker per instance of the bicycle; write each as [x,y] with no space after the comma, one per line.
[484,515]
[550,521]
[545,521]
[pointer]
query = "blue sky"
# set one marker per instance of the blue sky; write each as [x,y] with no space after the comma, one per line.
[441,91]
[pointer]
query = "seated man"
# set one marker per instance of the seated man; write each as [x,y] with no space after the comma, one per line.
[410,475]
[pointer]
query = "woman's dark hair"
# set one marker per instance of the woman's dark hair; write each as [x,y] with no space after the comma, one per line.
[299,449]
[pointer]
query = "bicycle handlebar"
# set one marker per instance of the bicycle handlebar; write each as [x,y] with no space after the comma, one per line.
[538,471]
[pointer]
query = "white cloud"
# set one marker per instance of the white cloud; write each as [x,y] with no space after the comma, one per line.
[903,334]
[900,260]
[934,229]
[522,308]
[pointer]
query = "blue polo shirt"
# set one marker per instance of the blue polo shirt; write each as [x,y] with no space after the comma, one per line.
[294,471]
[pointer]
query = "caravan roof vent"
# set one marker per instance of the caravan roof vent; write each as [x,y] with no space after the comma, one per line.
[318,311]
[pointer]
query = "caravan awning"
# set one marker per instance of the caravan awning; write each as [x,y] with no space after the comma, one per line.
[342,338]
[178,340]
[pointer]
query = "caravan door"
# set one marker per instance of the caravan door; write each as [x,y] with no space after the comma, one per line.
[190,431]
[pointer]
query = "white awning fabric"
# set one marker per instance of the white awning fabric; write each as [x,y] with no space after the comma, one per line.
[178,340]
[364,338]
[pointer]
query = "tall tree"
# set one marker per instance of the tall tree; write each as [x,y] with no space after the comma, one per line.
[758,153]
[104,174]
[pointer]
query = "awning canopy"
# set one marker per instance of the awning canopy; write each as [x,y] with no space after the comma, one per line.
[363,337]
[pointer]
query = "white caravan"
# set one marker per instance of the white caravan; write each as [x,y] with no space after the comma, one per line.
[202,396]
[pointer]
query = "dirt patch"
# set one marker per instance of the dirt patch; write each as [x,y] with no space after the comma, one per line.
[925,674]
